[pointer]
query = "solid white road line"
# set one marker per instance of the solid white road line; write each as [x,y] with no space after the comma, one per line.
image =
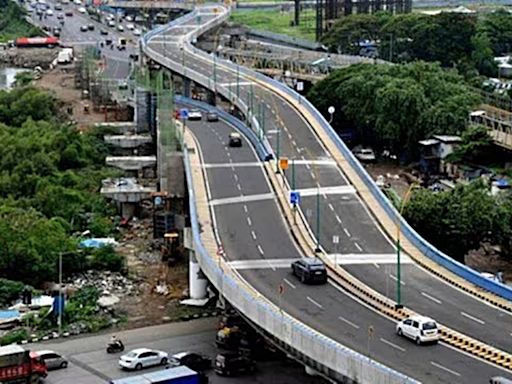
[348,322]
[314,302]
[472,318]
[290,284]
[444,368]
[431,298]
[335,190]
[260,263]
[227,165]
[315,162]
[392,345]
[365,258]
[241,199]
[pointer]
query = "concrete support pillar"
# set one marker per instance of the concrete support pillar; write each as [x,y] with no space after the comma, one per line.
[197,281]
[186,87]
[211,98]
[128,210]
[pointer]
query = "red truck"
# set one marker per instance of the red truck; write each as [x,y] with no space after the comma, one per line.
[19,366]
[34,42]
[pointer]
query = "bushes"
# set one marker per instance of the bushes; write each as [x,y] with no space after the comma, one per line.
[9,291]
[105,258]
[14,337]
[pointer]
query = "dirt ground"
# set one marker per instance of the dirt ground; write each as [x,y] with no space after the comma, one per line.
[62,83]
[394,175]
[144,263]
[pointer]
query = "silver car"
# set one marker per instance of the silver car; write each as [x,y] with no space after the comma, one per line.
[52,359]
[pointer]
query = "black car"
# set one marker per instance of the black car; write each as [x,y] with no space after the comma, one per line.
[103,32]
[90,27]
[194,361]
[212,116]
[84,28]
[310,270]
[232,364]
[58,7]
[235,140]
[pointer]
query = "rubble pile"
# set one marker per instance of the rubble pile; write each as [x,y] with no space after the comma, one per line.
[28,57]
[108,283]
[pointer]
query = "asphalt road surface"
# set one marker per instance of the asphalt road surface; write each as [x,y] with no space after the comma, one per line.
[90,364]
[117,61]
[258,245]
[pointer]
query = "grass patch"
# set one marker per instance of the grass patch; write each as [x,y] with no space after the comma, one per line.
[13,23]
[277,21]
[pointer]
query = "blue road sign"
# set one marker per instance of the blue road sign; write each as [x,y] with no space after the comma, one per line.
[295,197]
[183,113]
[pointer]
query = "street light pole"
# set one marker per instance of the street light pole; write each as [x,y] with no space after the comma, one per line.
[399,304]
[61,307]
[237,81]
[317,249]
[278,149]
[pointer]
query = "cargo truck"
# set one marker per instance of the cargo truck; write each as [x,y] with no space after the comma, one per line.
[177,375]
[20,366]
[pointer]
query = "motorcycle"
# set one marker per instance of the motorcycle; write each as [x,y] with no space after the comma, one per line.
[115,347]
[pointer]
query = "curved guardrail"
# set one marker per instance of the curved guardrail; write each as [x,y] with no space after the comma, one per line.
[416,239]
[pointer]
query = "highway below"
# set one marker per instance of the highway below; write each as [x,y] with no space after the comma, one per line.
[259,247]
[117,62]
[362,247]
[90,364]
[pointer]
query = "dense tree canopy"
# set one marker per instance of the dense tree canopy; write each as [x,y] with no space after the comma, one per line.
[460,220]
[50,175]
[452,39]
[396,106]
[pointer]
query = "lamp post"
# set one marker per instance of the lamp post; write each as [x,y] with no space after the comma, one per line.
[278,149]
[61,307]
[331,111]
[317,249]
[399,304]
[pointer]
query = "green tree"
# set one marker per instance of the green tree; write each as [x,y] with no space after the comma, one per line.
[482,55]
[456,221]
[475,144]
[497,26]
[396,106]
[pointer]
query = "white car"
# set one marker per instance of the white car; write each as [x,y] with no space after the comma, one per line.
[421,329]
[49,12]
[137,32]
[365,155]
[77,2]
[120,28]
[130,26]
[129,18]
[195,114]
[143,357]
[82,10]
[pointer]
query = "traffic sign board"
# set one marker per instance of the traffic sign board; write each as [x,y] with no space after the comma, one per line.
[295,197]
[184,113]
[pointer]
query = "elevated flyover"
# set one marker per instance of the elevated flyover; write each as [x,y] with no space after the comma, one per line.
[352,208]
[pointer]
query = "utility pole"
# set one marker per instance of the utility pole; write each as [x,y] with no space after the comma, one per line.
[61,307]
[278,150]
[317,249]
